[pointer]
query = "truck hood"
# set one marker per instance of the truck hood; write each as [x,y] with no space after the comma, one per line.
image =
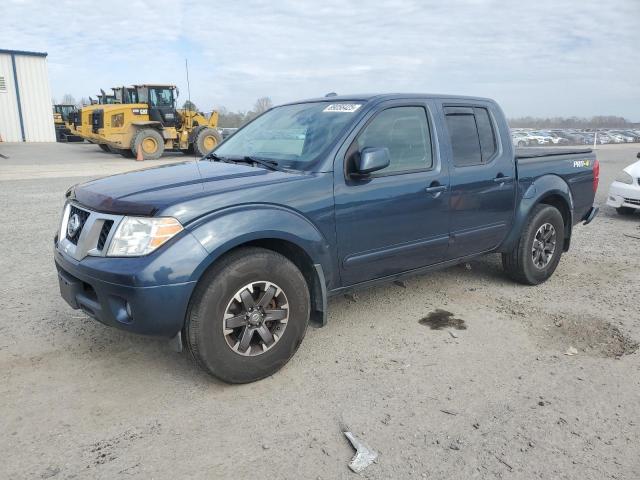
[147,192]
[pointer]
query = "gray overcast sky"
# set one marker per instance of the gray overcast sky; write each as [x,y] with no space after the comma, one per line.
[540,58]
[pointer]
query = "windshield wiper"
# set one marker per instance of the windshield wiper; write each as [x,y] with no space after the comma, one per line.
[270,164]
[216,158]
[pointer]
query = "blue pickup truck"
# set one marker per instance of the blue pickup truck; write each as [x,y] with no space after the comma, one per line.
[234,254]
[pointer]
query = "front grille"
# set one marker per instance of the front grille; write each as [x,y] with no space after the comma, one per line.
[632,201]
[104,233]
[82,217]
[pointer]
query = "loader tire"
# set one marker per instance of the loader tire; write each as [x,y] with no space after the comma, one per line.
[205,140]
[104,147]
[150,142]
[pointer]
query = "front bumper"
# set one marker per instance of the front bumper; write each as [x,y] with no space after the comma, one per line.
[136,295]
[623,195]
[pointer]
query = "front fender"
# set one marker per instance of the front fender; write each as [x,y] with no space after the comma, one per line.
[225,229]
[534,192]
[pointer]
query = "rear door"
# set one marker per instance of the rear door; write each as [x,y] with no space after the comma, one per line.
[395,219]
[482,178]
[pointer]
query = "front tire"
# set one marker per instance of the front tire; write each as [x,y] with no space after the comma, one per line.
[248,315]
[537,253]
[206,140]
[150,142]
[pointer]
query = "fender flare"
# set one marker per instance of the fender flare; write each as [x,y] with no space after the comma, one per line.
[229,228]
[541,188]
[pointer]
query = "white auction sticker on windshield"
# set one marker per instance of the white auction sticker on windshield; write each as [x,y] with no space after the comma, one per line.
[342,107]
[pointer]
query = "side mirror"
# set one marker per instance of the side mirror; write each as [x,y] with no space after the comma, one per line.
[372,160]
[638,155]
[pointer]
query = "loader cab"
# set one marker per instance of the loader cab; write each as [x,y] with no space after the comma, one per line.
[64,111]
[125,95]
[106,99]
[162,103]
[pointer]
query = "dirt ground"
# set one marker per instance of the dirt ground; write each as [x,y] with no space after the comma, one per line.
[480,389]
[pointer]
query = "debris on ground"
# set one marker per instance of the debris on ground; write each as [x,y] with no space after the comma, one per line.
[439,319]
[448,412]
[453,334]
[364,455]
[400,283]
[571,351]
[351,297]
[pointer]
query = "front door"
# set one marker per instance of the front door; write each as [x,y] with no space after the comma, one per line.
[395,219]
[482,180]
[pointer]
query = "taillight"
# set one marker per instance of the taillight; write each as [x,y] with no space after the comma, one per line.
[596,175]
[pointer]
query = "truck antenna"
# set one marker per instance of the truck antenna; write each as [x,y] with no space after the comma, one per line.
[195,155]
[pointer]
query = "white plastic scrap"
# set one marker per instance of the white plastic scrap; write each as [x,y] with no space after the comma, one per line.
[364,456]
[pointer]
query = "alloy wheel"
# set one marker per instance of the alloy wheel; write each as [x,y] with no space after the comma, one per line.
[544,245]
[255,318]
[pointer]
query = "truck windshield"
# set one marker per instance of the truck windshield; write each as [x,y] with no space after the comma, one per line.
[292,135]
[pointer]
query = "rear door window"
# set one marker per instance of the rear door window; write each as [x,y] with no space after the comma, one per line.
[472,136]
[465,143]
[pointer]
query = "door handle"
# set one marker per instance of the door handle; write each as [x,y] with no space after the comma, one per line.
[436,190]
[502,179]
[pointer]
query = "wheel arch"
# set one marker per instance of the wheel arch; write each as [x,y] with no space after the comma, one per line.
[549,190]
[295,238]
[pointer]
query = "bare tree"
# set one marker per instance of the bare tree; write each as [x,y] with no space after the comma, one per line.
[68,99]
[262,105]
[189,105]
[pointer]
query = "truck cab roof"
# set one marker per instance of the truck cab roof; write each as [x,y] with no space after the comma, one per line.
[381,97]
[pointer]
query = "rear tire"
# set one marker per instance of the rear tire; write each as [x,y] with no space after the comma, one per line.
[150,142]
[534,258]
[206,140]
[216,347]
[625,211]
[104,147]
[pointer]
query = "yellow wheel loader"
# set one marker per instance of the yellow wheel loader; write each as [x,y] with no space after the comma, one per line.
[150,125]
[62,121]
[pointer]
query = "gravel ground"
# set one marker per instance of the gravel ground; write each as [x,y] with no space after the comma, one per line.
[485,392]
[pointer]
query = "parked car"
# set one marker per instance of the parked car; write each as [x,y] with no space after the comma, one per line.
[234,255]
[634,136]
[557,139]
[624,192]
[615,137]
[227,131]
[521,139]
[541,137]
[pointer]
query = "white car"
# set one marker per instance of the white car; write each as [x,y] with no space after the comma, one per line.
[615,137]
[624,192]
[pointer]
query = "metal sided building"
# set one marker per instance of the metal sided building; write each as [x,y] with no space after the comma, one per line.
[25,97]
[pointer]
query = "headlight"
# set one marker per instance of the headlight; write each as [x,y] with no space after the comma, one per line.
[138,236]
[624,177]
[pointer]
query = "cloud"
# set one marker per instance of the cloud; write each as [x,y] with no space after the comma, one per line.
[543,58]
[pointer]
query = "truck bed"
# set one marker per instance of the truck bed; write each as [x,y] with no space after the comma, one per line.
[574,165]
[534,152]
